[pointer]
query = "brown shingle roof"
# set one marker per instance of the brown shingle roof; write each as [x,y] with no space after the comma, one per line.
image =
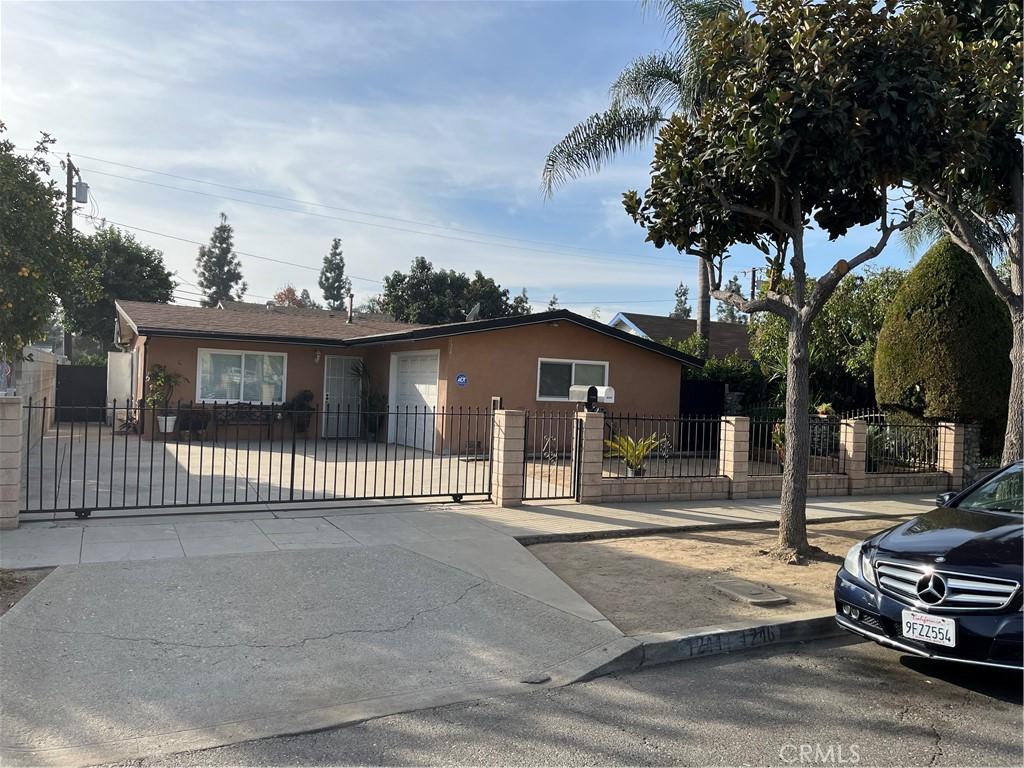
[726,338]
[254,321]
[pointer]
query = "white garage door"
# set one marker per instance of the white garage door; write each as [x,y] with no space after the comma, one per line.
[413,388]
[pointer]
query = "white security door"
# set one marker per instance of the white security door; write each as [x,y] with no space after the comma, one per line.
[413,398]
[342,396]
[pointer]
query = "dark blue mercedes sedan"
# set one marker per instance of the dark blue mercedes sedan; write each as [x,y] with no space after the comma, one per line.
[947,584]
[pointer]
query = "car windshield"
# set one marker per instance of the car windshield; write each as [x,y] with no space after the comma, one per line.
[1003,493]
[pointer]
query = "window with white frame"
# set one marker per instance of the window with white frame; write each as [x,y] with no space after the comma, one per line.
[554,377]
[231,376]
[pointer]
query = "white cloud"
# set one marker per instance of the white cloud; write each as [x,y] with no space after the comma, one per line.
[239,96]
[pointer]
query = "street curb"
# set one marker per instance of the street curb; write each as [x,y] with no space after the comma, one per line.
[632,533]
[632,653]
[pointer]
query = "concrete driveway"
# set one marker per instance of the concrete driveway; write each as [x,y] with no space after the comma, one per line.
[115,660]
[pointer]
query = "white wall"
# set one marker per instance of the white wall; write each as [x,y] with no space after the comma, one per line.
[119,377]
[36,378]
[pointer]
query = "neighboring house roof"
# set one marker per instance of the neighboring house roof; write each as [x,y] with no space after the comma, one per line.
[253,321]
[286,325]
[725,339]
[478,326]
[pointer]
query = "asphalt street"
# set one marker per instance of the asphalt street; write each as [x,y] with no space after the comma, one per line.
[830,703]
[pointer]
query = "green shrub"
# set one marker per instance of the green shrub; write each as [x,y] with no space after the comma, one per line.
[943,351]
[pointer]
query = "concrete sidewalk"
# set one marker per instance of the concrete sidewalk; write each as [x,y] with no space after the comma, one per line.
[289,527]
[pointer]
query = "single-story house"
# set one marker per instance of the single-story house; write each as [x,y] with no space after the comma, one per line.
[268,354]
[725,338]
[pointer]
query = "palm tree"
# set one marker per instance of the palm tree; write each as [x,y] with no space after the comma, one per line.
[648,91]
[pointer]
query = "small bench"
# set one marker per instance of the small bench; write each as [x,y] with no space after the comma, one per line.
[244,415]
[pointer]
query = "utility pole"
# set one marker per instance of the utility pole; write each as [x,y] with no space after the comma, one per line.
[69,227]
[753,283]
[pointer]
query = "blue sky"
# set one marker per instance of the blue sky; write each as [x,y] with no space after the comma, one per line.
[433,117]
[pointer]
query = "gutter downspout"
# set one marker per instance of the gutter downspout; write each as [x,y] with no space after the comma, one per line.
[142,365]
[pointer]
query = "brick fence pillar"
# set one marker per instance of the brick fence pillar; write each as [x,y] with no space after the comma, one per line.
[591,454]
[507,459]
[853,442]
[951,453]
[734,453]
[10,460]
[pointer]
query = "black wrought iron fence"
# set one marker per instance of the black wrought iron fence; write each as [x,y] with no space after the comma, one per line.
[194,454]
[902,448]
[652,446]
[767,447]
[551,442]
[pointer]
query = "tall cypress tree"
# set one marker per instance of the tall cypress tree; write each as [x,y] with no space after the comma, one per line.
[218,267]
[333,282]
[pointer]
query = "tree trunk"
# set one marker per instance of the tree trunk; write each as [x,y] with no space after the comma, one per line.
[704,302]
[793,512]
[1012,442]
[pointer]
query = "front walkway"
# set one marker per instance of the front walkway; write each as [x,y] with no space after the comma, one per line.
[270,528]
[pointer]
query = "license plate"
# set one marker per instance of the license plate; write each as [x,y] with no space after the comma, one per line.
[930,629]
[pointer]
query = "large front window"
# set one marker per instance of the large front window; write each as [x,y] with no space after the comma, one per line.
[554,377]
[229,376]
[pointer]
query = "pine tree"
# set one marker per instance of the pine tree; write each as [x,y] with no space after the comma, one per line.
[218,267]
[726,313]
[553,304]
[682,310]
[333,282]
[307,301]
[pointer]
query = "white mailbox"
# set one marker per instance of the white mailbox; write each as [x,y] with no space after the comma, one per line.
[578,393]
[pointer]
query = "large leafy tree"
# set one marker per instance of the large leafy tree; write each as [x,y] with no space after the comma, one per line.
[125,269]
[289,297]
[943,349]
[219,268]
[334,283]
[841,349]
[979,198]
[426,295]
[815,112]
[38,263]
[648,91]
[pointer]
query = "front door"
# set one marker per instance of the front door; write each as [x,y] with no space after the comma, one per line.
[343,390]
[414,399]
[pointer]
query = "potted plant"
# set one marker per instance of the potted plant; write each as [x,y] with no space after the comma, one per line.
[376,412]
[160,384]
[375,402]
[633,453]
[300,410]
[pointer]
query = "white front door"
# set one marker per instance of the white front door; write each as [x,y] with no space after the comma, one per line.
[413,398]
[342,396]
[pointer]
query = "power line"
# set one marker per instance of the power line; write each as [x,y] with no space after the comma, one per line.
[388,227]
[240,253]
[329,207]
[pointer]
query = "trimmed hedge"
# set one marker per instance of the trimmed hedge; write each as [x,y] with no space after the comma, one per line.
[943,351]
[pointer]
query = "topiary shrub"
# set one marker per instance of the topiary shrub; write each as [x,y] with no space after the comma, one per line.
[943,350]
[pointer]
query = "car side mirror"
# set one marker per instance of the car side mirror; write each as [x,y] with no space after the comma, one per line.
[943,499]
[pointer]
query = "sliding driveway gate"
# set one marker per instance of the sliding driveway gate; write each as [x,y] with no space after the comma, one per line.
[193,455]
[551,442]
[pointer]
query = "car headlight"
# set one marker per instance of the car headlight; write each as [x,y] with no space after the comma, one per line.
[858,565]
[852,561]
